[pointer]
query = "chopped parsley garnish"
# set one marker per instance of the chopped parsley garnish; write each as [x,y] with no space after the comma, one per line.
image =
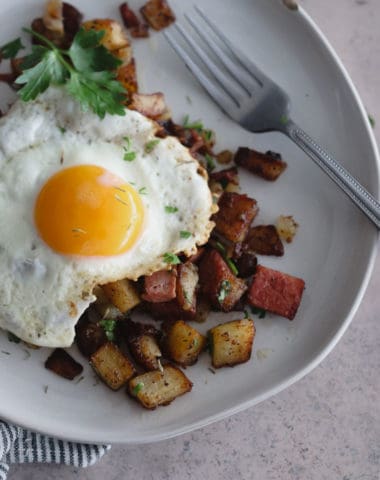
[225,288]
[86,70]
[246,314]
[371,120]
[197,125]
[12,338]
[284,119]
[62,130]
[129,155]
[11,49]
[184,234]
[170,209]
[149,146]
[232,266]
[207,135]
[258,311]
[220,247]
[210,162]
[109,326]
[171,258]
[142,191]
[137,388]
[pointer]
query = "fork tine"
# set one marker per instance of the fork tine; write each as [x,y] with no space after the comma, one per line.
[228,85]
[214,91]
[243,79]
[249,66]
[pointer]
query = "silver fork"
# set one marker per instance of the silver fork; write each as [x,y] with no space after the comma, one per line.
[253,100]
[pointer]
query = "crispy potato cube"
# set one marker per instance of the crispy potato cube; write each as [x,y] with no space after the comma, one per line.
[287,227]
[53,17]
[157,388]
[236,212]
[187,282]
[151,105]
[123,294]
[112,366]
[63,364]
[182,343]
[145,350]
[267,165]
[264,240]
[158,14]
[115,36]
[231,342]
[127,76]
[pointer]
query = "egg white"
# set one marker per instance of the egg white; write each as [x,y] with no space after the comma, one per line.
[42,293]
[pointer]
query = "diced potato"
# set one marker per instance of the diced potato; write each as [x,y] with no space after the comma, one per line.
[264,240]
[286,227]
[127,76]
[231,342]
[182,343]
[158,14]
[112,366]
[187,282]
[63,364]
[115,36]
[52,17]
[124,55]
[123,294]
[145,350]
[151,105]
[157,388]
[267,165]
[103,306]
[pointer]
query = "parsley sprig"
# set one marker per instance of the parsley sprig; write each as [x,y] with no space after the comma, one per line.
[11,49]
[86,69]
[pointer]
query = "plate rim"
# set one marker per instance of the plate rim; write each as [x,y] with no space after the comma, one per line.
[316,360]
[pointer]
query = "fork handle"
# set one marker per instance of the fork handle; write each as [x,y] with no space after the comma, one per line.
[350,186]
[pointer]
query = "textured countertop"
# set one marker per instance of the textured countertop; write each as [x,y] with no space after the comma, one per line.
[326,426]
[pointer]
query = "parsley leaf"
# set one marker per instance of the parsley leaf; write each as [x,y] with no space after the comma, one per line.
[210,162]
[142,191]
[198,125]
[258,311]
[109,328]
[11,49]
[170,209]
[371,120]
[137,388]
[171,258]
[184,234]
[86,70]
[149,146]
[225,288]
[129,156]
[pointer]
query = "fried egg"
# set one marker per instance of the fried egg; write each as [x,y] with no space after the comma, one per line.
[83,202]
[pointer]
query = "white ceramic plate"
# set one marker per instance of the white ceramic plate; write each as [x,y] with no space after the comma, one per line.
[334,250]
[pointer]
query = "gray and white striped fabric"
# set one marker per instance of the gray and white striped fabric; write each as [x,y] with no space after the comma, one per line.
[18,445]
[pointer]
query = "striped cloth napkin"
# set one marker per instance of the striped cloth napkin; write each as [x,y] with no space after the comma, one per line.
[18,445]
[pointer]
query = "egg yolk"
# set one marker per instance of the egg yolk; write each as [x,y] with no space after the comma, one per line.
[87,210]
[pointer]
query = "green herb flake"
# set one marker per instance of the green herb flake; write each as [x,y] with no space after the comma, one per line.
[87,70]
[12,338]
[197,125]
[185,234]
[129,156]
[150,146]
[195,343]
[246,314]
[142,191]
[225,288]
[207,135]
[232,266]
[137,388]
[371,120]
[171,258]
[170,209]
[210,162]
[258,311]
[220,247]
[108,326]
[62,130]
[284,120]
[11,49]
